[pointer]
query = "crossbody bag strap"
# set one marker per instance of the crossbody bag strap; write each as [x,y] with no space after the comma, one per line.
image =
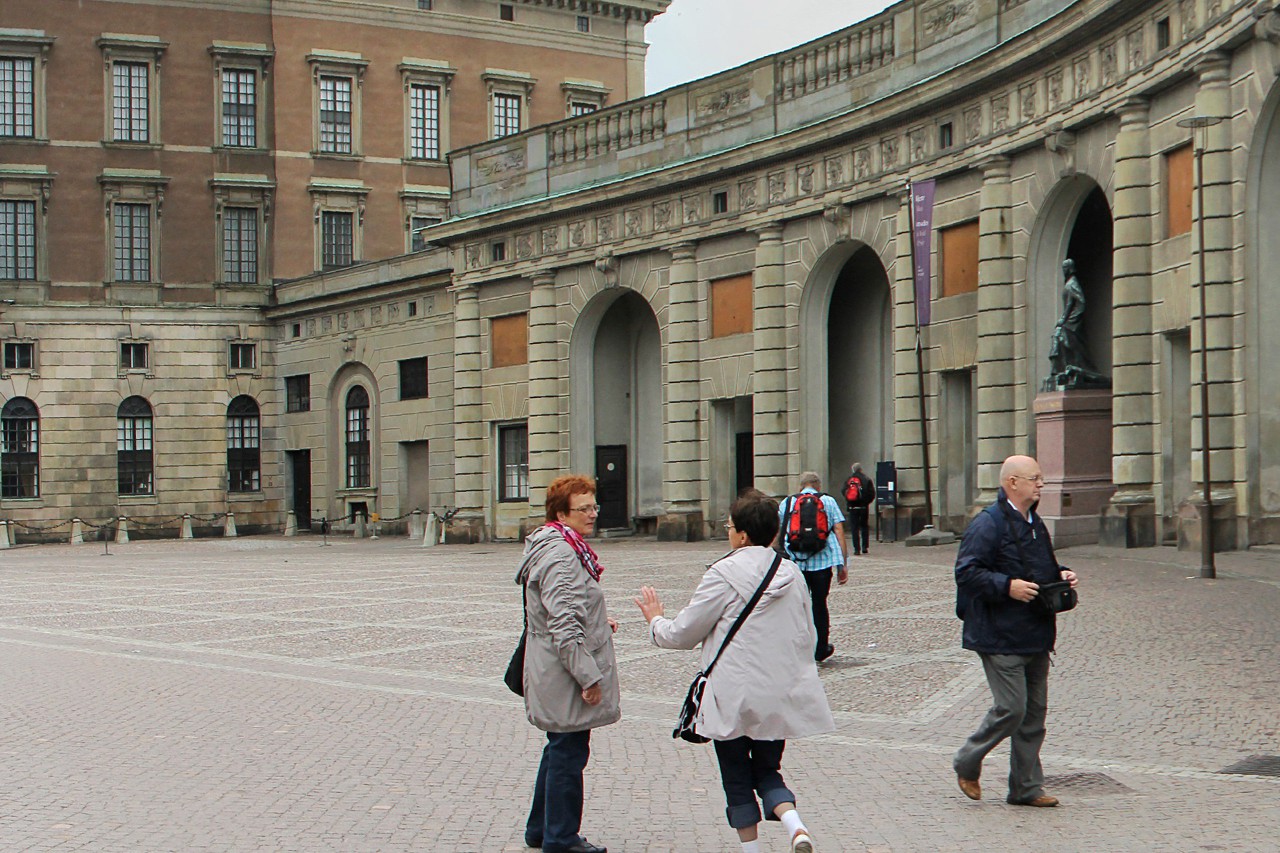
[746,611]
[1017,541]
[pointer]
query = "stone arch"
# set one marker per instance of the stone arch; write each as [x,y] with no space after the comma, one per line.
[343,380]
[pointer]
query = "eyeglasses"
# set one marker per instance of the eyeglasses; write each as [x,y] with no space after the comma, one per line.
[1038,479]
[589,509]
[728,525]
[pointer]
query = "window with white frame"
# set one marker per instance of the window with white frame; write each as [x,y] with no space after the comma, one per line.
[338,206]
[243,356]
[509,92]
[24,55]
[240,245]
[337,239]
[359,472]
[17,240]
[580,108]
[131,241]
[19,449]
[513,462]
[135,462]
[135,355]
[424,122]
[20,356]
[582,97]
[134,198]
[506,114]
[239,107]
[244,439]
[337,77]
[133,87]
[242,203]
[335,114]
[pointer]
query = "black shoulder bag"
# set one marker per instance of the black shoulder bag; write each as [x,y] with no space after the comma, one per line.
[693,700]
[514,677]
[1052,598]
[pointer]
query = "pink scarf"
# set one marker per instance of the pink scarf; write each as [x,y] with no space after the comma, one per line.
[586,556]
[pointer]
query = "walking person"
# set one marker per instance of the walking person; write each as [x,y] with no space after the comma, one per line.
[765,687]
[811,534]
[859,494]
[1004,557]
[570,678]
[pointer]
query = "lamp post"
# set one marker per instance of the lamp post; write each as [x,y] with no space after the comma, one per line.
[1201,125]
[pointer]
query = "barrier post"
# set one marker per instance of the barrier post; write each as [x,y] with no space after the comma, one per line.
[229,531]
[374,519]
[290,524]
[4,535]
[359,527]
[415,524]
[122,530]
[77,532]
[431,536]
[186,533]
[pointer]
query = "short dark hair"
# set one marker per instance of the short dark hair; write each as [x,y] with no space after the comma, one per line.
[563,488]
[757,516]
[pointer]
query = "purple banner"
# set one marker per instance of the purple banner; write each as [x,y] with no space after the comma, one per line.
[922,244]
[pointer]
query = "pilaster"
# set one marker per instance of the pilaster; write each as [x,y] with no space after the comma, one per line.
[997,367]
[468,424]
[769,364]
[544,395]
[681,480]
[908,457]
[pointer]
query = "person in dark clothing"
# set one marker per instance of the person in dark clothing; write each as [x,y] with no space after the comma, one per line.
[859,508]
[996,583]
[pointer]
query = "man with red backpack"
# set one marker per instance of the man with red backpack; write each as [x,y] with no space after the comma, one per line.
[859,494]
[812,534]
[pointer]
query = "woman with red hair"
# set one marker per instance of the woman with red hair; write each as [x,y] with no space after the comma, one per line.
[570,682]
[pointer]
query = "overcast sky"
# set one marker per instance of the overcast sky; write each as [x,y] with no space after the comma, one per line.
[694,38]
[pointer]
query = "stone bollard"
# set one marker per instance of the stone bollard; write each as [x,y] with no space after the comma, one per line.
[229,531]
[359,527]
[4,535]
[77,532]
[290,524]
[186,528]
[374,520]
[122,530]
[415,524]
[431,536]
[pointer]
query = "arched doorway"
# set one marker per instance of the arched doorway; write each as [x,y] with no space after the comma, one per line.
[615,367]
[846,364]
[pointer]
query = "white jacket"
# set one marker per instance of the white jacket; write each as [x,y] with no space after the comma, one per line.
[766,684]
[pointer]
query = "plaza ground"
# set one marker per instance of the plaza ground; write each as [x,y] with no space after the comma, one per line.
[272,694]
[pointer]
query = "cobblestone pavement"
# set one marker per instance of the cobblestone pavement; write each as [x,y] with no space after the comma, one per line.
[270,694]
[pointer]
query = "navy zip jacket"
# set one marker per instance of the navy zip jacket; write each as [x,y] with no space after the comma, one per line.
[986,565]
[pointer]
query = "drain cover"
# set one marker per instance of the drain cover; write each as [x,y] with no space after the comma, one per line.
[1093,783]
[1256,765]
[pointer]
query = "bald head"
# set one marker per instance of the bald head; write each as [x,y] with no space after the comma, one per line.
[1018,466]
[1021,479]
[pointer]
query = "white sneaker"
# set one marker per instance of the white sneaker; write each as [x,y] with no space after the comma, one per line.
[801,843]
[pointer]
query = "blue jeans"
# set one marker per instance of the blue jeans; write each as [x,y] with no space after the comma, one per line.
[556,814]
[749,767]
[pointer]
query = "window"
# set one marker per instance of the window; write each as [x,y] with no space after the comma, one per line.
[19,449]
[1179,178]
[240,245]
[508,91]
[337,239]
[239,107]
[17,240]
[1162,33]
[506,12]
[498,251]
[131,241]
[510,339]
[135,465]
[958,259]
[506,115]
[417,242]
[335,115]
[337,77]
[424,122]
[731,306]
[358,468]
[244,356]
[413,378]
[244,465]
[295,331]
[17,97]
[720,202]
[584,24]
[131,65]
[134,355]
[513,462]
[580,108]
[19,355]
[583,97]
[946,136]
[297,393]
[424,5]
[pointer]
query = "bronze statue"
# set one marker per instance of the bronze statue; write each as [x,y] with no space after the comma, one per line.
[1069,362]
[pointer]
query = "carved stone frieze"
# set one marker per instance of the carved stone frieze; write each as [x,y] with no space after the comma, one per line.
[1212,9]
[343,322]
[972,124]
[393,312]
[1080,74]
[607,265]
[311,327]
[577,234]
[326,323]
[942,20]
[661,215]
[861,164]
[1053,89]
[1136,48]
[777,187]
[375,315]
[500,162]
[524,246]
[889,153]
[734,97]
[605,228]
[916,148]
[691,209]
[835,171]
[473,256]
[747,194]
[804,178]
[1188,12]
[1027,101]
[1000,113]
[633,222]
[550,240]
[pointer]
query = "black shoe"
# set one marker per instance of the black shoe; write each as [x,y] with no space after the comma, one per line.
[535,844]
[583,846]
[825,653]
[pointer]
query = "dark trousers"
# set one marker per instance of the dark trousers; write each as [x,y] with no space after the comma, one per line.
[819,588]
[747,768]
[1020,700]
[556,814]
[860,524]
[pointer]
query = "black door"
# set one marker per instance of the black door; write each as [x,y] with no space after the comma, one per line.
[744,462]
[300,462]
[611,486]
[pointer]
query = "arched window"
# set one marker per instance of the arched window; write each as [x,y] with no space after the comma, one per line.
[244,440]
[19,449]
[358,438]
[135,464]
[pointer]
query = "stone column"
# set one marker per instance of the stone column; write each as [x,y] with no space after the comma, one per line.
[1129,521]
[681,480]
[769,364]
[545,432]
[468,419]
[997,374]
[908,517]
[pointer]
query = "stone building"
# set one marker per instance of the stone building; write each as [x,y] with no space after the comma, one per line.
[165,165]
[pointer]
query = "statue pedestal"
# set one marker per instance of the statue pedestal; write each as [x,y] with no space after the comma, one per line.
[1073,446]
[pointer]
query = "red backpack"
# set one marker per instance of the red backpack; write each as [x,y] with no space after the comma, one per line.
[853,489]
[807,526]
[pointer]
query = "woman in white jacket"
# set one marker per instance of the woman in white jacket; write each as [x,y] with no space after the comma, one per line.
[765,687]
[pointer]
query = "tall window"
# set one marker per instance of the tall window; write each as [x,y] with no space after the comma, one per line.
[131,241]
[506,114]
[239,107]
[513,462]
[240,245]
[424,122]
[130,102]
[19,449]
[358,469]
[335,115]
[135,465]
[297,393]
[17,240]
[244,460]
[337,239]
[17,97]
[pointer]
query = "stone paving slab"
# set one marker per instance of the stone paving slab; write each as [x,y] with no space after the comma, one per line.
[271,694]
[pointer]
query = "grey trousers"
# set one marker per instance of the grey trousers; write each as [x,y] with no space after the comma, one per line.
[1020,694]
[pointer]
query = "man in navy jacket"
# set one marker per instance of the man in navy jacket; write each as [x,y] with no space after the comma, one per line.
[996,584]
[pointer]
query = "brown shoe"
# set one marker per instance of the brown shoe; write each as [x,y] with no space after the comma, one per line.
[970,787]
[1044,801]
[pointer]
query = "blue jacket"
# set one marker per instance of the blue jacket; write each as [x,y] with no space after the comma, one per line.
[986,565]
